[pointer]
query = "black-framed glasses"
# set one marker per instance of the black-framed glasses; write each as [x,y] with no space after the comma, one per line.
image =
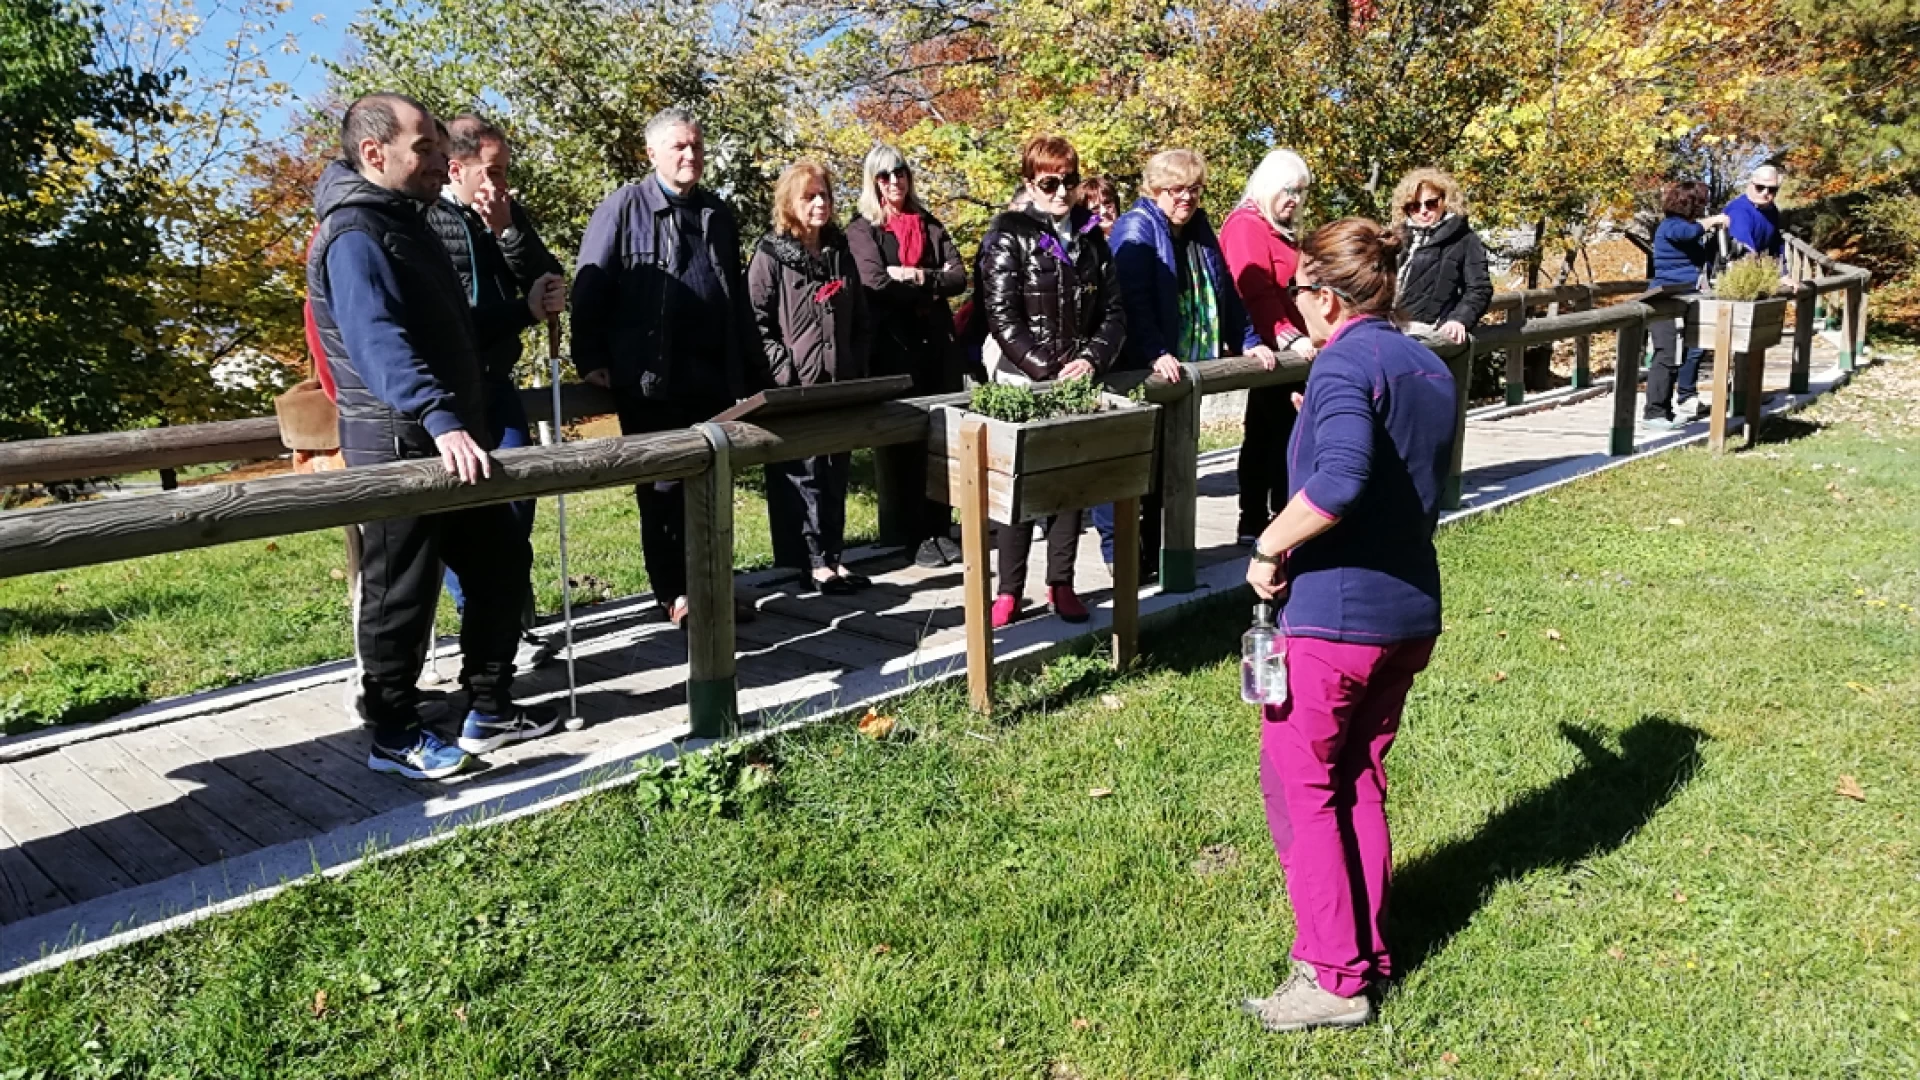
[1188,191]
[898,172]
[1429,204]
[1770,189]
[1051,184]
[1295,288]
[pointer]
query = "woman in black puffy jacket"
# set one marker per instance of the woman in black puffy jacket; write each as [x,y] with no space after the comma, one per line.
[1052,308]
[1443,283]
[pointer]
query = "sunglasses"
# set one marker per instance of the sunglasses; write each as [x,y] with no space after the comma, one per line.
[1191,191]
[1429,204]
[1051,184]
[1294,289]
[901,173]
[1770,189]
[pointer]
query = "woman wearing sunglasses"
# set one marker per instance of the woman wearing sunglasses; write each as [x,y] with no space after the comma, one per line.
[1052,311]
[1352,555]
[909,267]
[1443,284]
[1181,305]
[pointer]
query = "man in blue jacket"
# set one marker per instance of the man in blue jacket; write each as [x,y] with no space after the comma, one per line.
[660,317]
[1753,220]
[399,339]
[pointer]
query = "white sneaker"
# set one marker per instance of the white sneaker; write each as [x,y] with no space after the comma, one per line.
[534,651]
[1300,1003]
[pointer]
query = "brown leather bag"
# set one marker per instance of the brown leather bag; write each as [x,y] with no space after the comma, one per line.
[309,420]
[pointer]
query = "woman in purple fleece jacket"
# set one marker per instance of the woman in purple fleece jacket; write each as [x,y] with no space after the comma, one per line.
[1353,554]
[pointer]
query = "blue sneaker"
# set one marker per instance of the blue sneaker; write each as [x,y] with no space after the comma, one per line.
[483,733]
[427,759]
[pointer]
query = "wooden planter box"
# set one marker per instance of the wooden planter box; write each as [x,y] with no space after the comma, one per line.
[1044,467]
[1757,324]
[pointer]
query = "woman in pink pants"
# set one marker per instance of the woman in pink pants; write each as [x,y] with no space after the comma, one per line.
[1352,554]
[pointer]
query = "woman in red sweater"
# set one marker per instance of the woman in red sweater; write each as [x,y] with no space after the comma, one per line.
[1262,252]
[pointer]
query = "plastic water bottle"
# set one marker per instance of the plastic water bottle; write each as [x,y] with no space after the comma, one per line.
[1263,661]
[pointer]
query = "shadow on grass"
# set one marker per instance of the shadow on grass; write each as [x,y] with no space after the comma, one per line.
[1786,429]
[1589,812]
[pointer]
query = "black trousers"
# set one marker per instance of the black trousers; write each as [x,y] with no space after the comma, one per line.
[807,510]
[1063,544]
[1263,456]
[399,588]
[663,507]
[1671,366]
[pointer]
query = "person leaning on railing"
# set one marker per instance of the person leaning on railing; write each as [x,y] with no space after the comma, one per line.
[1443,283]
[812,318]
[1682,256]
[1052,311]
[1753,221]
[1352,555]
[1262,252]
[910,268]
[1181,303]
[660,318]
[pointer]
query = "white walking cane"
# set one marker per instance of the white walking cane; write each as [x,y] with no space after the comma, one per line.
[553,437]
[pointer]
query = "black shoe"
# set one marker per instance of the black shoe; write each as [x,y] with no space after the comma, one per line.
[950,549]
[852,580]
[930,556]
[833,586]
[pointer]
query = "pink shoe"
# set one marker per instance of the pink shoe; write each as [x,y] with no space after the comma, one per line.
[1005,607]
[1066,604]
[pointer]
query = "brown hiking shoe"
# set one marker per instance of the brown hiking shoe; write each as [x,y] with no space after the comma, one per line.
[1300,1003]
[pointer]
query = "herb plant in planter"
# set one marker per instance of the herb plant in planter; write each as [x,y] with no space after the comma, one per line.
[1067,446]
[1750,286]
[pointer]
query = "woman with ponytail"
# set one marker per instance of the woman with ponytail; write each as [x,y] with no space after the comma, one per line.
[1352,556]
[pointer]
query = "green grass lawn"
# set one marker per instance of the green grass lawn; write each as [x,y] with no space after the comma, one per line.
[1622,850]
[84,644]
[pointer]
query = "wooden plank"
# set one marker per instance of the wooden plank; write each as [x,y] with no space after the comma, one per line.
[24,890]
[843,647]
[1722,385]
[1756,379]
[275,780]
[1037,495]
[782,400]
[1126,582]
[292,738]
[1516,365]
[134,845]
[64,854]
[218,791]
[73,457]
[712,697]
[180,818]
[973,545]
[1803,332]
[1179,483]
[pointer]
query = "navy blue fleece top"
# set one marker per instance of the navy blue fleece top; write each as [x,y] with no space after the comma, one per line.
[1680,252]
[1371,451]
[366,307]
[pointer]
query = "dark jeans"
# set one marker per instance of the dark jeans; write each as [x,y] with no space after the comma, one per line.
[1263,456]
[1063,543]
[1149,531]
[663,507]
[506,411]
[1661,375]
[400,560]
[807,510]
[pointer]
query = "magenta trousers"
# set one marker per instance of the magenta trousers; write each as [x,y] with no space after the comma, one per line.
[1323,774]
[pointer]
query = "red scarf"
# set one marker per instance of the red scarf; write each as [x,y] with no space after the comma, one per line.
[910,230]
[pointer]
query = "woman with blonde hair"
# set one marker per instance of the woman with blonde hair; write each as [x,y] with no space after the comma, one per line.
[812,317]
[909,268]
[1443,282]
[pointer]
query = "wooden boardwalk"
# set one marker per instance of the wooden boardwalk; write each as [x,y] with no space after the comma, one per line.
[127,824]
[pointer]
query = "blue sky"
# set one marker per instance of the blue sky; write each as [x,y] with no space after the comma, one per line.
[324,38]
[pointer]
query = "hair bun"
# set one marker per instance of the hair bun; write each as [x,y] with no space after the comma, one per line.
[1389,240]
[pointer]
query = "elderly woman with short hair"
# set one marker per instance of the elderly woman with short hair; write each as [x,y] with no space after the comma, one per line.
[909,267]
[1263,250]
[1180,300]
[1443,283]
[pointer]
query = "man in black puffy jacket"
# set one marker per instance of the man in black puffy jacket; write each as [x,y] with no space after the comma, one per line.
[512,283]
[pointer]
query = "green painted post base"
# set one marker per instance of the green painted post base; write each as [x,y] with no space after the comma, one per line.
[713,707]
[1737,403]
[1846,359]
[1798,384]
[1516,393]
[1646,360]
[1450,494]
[1622,444]
[1582,378]
[1177,571]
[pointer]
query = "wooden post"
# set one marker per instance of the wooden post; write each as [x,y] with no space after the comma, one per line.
[1626,385]
[1756,399]
[900,487]
[713,706]
[1462,367]
[1516,377]
[1859,293]
[1850,327]
[1723,362]
[1126,582]
[1803,327]
[1179,486]
[977,580]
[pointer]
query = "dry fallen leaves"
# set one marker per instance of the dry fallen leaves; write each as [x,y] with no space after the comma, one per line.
[1616,952]
[1081,1023]
[1848,787]
[460,1013]
[1099,792]
[1499,676]
[1112,701]
[875,726]
[337,574]
[1676,522]
[319,1006]
[1450,1058]
[1552,634]
[882,949]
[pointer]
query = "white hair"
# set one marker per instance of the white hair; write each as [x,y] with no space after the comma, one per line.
[671,117]
[882,158]
[1765,172]
[1279,170]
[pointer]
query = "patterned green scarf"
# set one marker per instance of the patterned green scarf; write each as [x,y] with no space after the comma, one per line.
[1199,309]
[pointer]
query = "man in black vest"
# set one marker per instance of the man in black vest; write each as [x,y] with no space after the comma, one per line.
[399,339]
[512,282]
[660,317]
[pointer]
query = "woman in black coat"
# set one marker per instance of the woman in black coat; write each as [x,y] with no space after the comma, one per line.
[1443,285]
[909,267]
[812,318]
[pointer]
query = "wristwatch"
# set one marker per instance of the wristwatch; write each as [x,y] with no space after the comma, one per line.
[509,234]
[1271,560]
